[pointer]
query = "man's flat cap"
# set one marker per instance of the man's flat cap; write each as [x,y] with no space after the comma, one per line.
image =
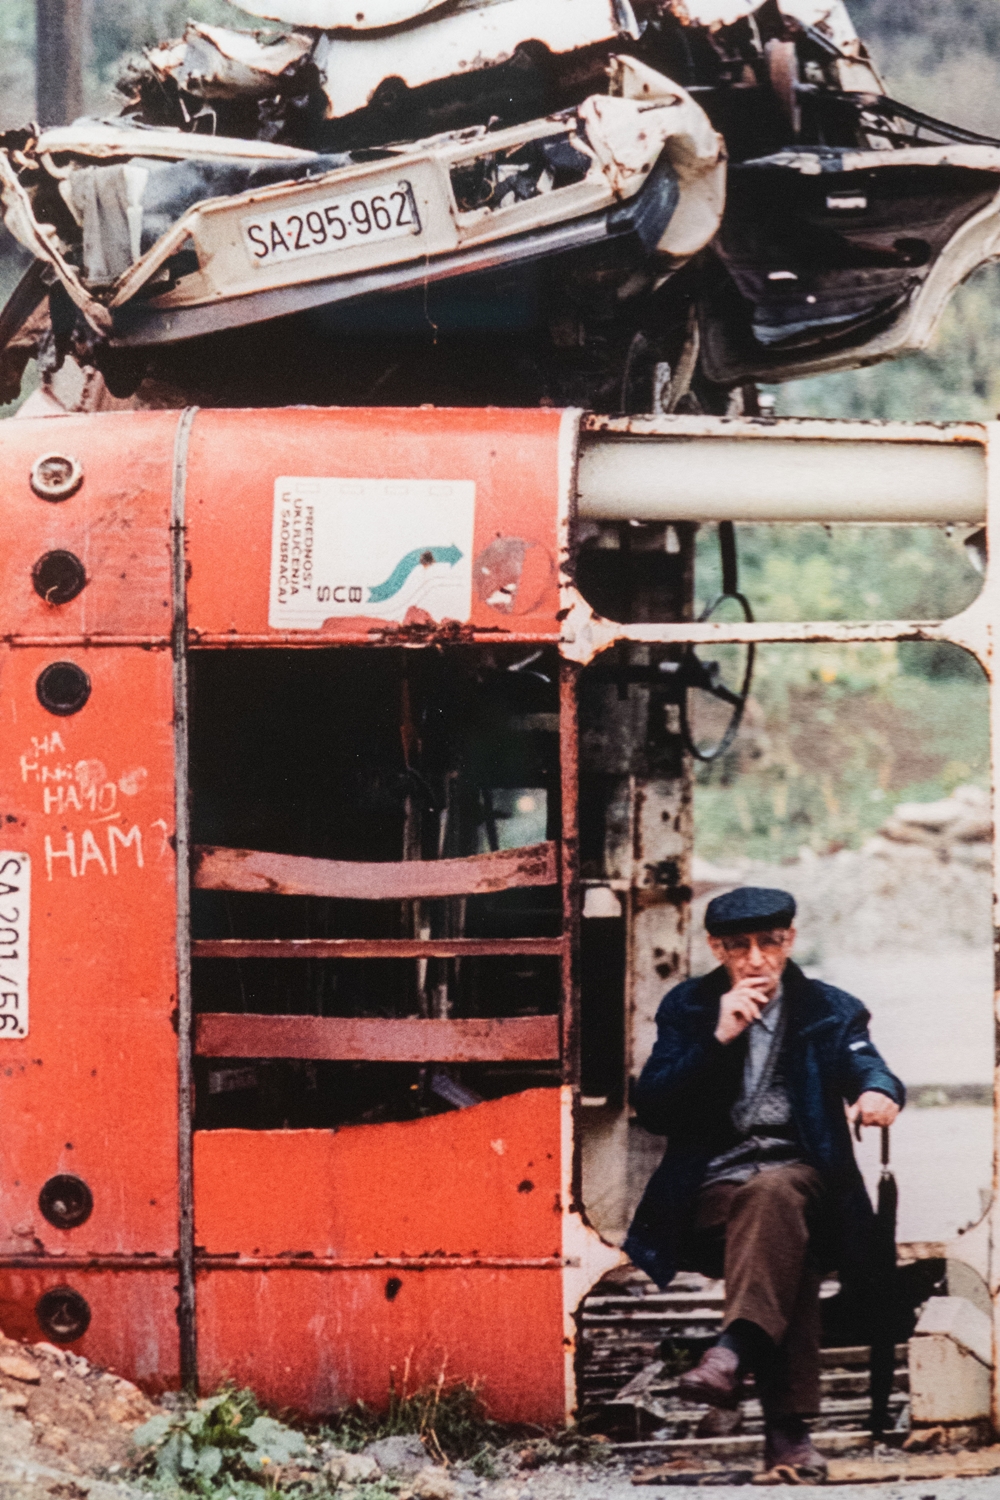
[752,908]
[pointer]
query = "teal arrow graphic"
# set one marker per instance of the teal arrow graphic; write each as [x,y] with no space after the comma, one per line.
[420,556]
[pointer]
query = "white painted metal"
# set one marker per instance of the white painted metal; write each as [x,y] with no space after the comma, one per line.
[786,471]
[903,462]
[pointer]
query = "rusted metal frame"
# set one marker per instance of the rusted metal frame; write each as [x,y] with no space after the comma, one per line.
[147,642]
[186,1309]
[782,429]
[585,635]
[305,1262]
[569,775]
[400,1039]
[991,598]
[416,635]
[376,947]
[220,869]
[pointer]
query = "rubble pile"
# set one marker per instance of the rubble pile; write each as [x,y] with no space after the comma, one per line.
[58,1412]
[958,827]
[71,1431]
[924,878]
[640,206]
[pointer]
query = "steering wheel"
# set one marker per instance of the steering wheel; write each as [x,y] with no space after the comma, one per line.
[704,676]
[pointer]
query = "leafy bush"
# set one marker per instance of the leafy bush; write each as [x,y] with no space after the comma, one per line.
[223,1446]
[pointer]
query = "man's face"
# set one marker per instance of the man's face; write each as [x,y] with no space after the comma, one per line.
[755,955]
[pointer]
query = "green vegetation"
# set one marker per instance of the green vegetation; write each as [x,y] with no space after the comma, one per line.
[227,1447]
[449,1418]
[222,1447]
[834,735]
[942,57]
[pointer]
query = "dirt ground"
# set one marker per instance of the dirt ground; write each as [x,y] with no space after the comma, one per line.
[65,1428]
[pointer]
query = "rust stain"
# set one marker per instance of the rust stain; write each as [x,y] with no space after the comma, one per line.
[513,574]
[375,947]
[765,428]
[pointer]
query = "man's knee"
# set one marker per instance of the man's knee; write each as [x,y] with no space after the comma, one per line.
[780,1190]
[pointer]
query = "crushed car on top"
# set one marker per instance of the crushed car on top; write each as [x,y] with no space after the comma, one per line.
[639,207]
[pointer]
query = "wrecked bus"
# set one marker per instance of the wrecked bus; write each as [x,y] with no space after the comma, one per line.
[346,856]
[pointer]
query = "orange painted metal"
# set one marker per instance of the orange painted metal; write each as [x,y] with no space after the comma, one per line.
[512,457]
[117,524]
[318,1342]
[92,1091]
[133,1328]
[352,1038]
[481,1182]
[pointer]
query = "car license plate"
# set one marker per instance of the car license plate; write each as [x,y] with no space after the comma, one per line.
[352,218]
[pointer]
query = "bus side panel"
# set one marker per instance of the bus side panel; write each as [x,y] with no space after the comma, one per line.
[91,1091]
[318,1340]
[514,460]
[133,1328]
[116,523]
[476,1191]
[478,1181]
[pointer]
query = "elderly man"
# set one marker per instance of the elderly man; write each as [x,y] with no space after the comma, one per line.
[749,1077]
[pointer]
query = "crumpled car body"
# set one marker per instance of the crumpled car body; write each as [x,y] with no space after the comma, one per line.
[685,195]
[832,253]
[172,249]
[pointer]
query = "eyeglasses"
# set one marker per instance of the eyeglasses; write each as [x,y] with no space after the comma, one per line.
[767,942]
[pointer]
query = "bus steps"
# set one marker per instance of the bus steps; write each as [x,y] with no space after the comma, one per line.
[628,1387]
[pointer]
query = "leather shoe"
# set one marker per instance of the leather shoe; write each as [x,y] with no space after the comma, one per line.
[714,1381]
[792,1456]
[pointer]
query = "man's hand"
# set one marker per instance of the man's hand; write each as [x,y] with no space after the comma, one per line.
[873,1108]
[742,1005]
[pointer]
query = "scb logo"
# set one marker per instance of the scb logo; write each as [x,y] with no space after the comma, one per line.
[341,594]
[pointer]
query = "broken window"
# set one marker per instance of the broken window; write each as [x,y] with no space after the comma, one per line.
[380,758]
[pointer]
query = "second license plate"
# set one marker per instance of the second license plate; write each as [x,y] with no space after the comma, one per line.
[351,218]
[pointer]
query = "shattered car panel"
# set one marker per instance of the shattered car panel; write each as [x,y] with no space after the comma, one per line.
[104,139]
[863,241]
[218,64]
[463,41]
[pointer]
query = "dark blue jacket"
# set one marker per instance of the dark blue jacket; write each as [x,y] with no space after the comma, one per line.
[691,1081]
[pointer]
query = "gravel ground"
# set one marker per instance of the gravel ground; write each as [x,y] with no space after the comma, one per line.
[619,1486]
[65,1426]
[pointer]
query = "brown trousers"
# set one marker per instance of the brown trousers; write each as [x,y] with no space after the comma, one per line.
[770,1277]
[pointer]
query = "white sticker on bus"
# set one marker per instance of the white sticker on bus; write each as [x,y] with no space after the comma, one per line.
[388,549]
[15,908]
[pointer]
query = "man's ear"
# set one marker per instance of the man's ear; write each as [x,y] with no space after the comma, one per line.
[718,952]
